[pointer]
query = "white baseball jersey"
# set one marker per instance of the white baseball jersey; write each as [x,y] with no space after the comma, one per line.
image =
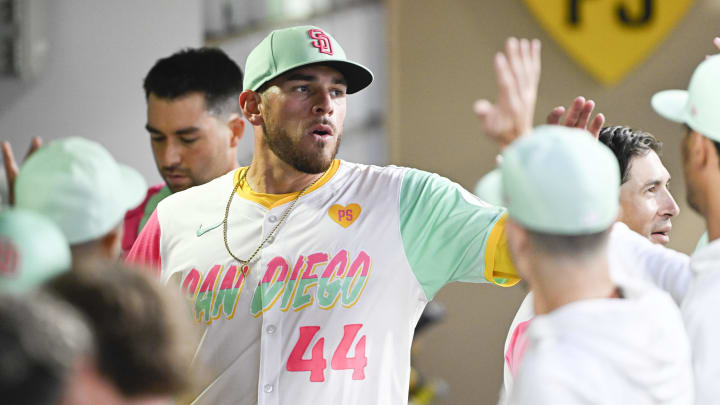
[631,350]
[327,312]
[632,257]
[700,313]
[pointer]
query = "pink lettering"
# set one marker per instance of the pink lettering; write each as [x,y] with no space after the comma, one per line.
[275,264]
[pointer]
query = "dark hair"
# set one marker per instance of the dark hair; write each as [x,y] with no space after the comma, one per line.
[140,333]
[568,245]
[209,71]
[627,143]
[40,340]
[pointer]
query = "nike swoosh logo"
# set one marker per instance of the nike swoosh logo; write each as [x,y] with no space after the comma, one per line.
[201,231]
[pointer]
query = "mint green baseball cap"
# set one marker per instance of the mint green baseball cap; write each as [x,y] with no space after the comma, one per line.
[294,47]
[699,105]
[561,181]
[78,185]
[32,250]
[489,188]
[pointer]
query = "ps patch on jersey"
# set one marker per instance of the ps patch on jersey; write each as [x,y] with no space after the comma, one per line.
[344,215]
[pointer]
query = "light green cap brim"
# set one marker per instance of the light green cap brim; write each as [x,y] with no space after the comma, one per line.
[560,180]
[33,250]
[697,106]
[290,48]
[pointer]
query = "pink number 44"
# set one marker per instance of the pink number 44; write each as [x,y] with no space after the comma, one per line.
[340,360]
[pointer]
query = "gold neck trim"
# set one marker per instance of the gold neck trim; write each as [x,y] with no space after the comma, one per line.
[270,201]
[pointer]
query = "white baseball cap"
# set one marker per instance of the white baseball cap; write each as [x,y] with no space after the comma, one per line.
[560,181]
[76,183]
[699,105]
[32,248]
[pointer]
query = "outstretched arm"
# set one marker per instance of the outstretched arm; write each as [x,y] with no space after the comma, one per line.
[11,166]
[518,74]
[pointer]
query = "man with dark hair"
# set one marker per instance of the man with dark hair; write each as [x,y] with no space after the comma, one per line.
[142,336]
[194,121]
[646,205]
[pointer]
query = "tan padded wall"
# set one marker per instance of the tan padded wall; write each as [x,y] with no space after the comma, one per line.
[440,55]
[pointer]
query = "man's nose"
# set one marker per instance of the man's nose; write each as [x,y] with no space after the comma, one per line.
[323,103]
[668,205]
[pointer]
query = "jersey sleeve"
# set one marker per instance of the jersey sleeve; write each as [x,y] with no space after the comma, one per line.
[636,256]
[450,235]
[145,252]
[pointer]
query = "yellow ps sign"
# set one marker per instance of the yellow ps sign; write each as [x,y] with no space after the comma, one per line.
[609,37]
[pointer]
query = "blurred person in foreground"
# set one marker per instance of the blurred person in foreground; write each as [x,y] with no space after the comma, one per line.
[646,207]
[78,185]
[590,340]
[142,335]
[44,345]
[630,254]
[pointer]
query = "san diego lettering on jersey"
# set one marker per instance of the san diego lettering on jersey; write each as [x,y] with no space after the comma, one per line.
[317,278]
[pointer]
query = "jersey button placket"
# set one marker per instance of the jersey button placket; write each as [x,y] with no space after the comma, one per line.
[272,365]
[271,357]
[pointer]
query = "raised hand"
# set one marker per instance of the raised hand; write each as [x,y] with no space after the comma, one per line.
[578,116]
[518,74]
[11,166]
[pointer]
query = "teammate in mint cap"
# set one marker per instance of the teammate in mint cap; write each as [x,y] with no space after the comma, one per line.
[309,272]
[589,338]
[698,109]
[78,185]
[32,250]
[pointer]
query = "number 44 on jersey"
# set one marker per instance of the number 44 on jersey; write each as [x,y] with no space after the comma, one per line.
[340,360]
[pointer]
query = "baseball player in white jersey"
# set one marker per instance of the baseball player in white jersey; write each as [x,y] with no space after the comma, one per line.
[309,273]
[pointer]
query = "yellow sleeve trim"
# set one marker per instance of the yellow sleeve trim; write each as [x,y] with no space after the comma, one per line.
[499,268]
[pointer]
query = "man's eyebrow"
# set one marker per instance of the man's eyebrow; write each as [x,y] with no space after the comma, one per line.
[181,131]
[152,129]
[186,130]
[655,182]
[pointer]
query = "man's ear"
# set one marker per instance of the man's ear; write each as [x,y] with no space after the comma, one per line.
[711,154]
[111,243]
[251,104]
[237,126]
[697,150]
